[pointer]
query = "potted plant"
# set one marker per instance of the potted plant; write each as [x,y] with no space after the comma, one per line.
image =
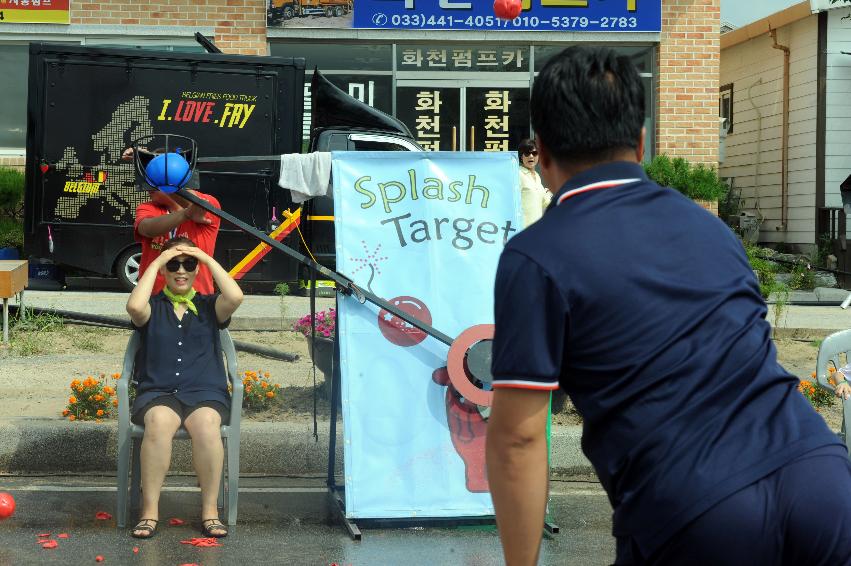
[698,182]
[321,345]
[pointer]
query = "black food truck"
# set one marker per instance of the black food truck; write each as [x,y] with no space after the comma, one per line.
[87,105]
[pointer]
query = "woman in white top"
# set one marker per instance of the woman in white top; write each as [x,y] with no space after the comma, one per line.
[533,196]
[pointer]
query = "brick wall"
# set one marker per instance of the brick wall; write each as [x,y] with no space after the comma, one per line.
[240,25]
[688,70]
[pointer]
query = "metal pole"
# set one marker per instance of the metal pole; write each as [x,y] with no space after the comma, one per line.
[344,282]
[6,321]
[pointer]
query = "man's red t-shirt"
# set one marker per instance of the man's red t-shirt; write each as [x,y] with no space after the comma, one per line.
[204,236]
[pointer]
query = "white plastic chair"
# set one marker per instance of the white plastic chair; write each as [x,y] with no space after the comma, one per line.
[828,357]
[130,436]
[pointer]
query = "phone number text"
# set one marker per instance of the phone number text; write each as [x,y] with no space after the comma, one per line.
[522,22]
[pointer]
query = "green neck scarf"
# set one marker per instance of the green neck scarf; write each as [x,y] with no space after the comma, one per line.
[177,299]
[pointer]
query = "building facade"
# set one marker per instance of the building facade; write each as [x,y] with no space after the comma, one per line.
[786,92]
[456,89]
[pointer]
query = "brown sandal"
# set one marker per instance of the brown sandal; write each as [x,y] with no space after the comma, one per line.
[210,525]
[148,530]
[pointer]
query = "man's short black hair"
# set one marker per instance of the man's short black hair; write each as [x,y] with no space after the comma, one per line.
[588,105]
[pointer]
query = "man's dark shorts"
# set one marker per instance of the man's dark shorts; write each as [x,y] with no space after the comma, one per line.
[182,410]
[799,514]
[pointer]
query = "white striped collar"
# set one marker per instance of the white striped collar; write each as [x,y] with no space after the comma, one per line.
[596,186]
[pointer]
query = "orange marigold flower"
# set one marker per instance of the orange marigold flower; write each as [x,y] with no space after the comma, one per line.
[277,386]
[264,385]
[813,374]
[270,394]
[98,397]
[248,389]
[116,375]
[72,418]
[75,383]
[254,377]
[115,402]
[266,375]
[65,413]
[99,413]
[72,399]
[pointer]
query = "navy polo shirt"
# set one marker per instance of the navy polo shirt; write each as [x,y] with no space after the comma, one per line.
[181,357]
[644,309]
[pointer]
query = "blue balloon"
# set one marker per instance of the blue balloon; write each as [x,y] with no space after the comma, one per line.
[168,172]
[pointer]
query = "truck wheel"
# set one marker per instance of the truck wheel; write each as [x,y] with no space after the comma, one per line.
[127,267]
[288,13]
[338,11]
[329,11]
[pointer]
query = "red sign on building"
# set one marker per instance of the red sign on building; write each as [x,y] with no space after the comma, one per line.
[35,11]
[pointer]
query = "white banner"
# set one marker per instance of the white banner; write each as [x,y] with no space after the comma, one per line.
[424,230]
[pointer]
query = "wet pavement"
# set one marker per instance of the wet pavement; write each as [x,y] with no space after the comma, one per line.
[281,521]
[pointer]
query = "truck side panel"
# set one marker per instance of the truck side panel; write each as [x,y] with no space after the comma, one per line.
[88,105]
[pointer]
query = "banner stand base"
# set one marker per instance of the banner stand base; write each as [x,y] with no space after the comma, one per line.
[336,493]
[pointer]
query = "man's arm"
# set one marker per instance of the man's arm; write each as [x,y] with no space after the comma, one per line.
[517,470]
[159,225]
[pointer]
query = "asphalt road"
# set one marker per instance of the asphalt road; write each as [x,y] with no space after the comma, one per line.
[281,521]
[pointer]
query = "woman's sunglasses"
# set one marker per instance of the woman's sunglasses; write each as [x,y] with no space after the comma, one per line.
[533,153]
[189,264]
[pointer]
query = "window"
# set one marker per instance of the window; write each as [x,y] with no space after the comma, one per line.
[362,58]
[14,61]
[725,105]
[367,142]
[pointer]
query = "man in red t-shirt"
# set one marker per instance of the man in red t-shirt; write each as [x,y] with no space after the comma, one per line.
[169,216]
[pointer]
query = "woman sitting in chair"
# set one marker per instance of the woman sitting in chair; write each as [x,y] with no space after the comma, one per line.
[180,376]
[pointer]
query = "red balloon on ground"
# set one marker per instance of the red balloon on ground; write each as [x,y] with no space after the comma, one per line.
[507,9]
[397,330]
[7,505]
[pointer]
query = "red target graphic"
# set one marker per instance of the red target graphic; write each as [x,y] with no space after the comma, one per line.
[399,332]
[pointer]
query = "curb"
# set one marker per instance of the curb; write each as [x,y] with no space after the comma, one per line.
[56,446]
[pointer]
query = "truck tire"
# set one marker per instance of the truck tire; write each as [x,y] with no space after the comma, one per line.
[329,11]
[127,267]
[338,11]
[288,13]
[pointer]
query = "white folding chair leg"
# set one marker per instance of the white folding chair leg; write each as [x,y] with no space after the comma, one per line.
[220,502]
[233,480]
[136,475]
[846,423]
[123,480]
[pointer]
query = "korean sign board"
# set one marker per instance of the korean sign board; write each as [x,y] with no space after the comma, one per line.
[421,58]
[537,15]
[35,11]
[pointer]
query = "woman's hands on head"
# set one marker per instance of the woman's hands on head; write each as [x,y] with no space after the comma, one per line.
[195,252]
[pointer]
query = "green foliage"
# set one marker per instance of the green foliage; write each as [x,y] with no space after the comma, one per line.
[818,396]
[803,277]
[11,233]
[282,289]
[11,192]
[698,182]
[27,321]
[765,271]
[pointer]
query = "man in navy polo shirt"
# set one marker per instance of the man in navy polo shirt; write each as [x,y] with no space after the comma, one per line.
[643,308]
